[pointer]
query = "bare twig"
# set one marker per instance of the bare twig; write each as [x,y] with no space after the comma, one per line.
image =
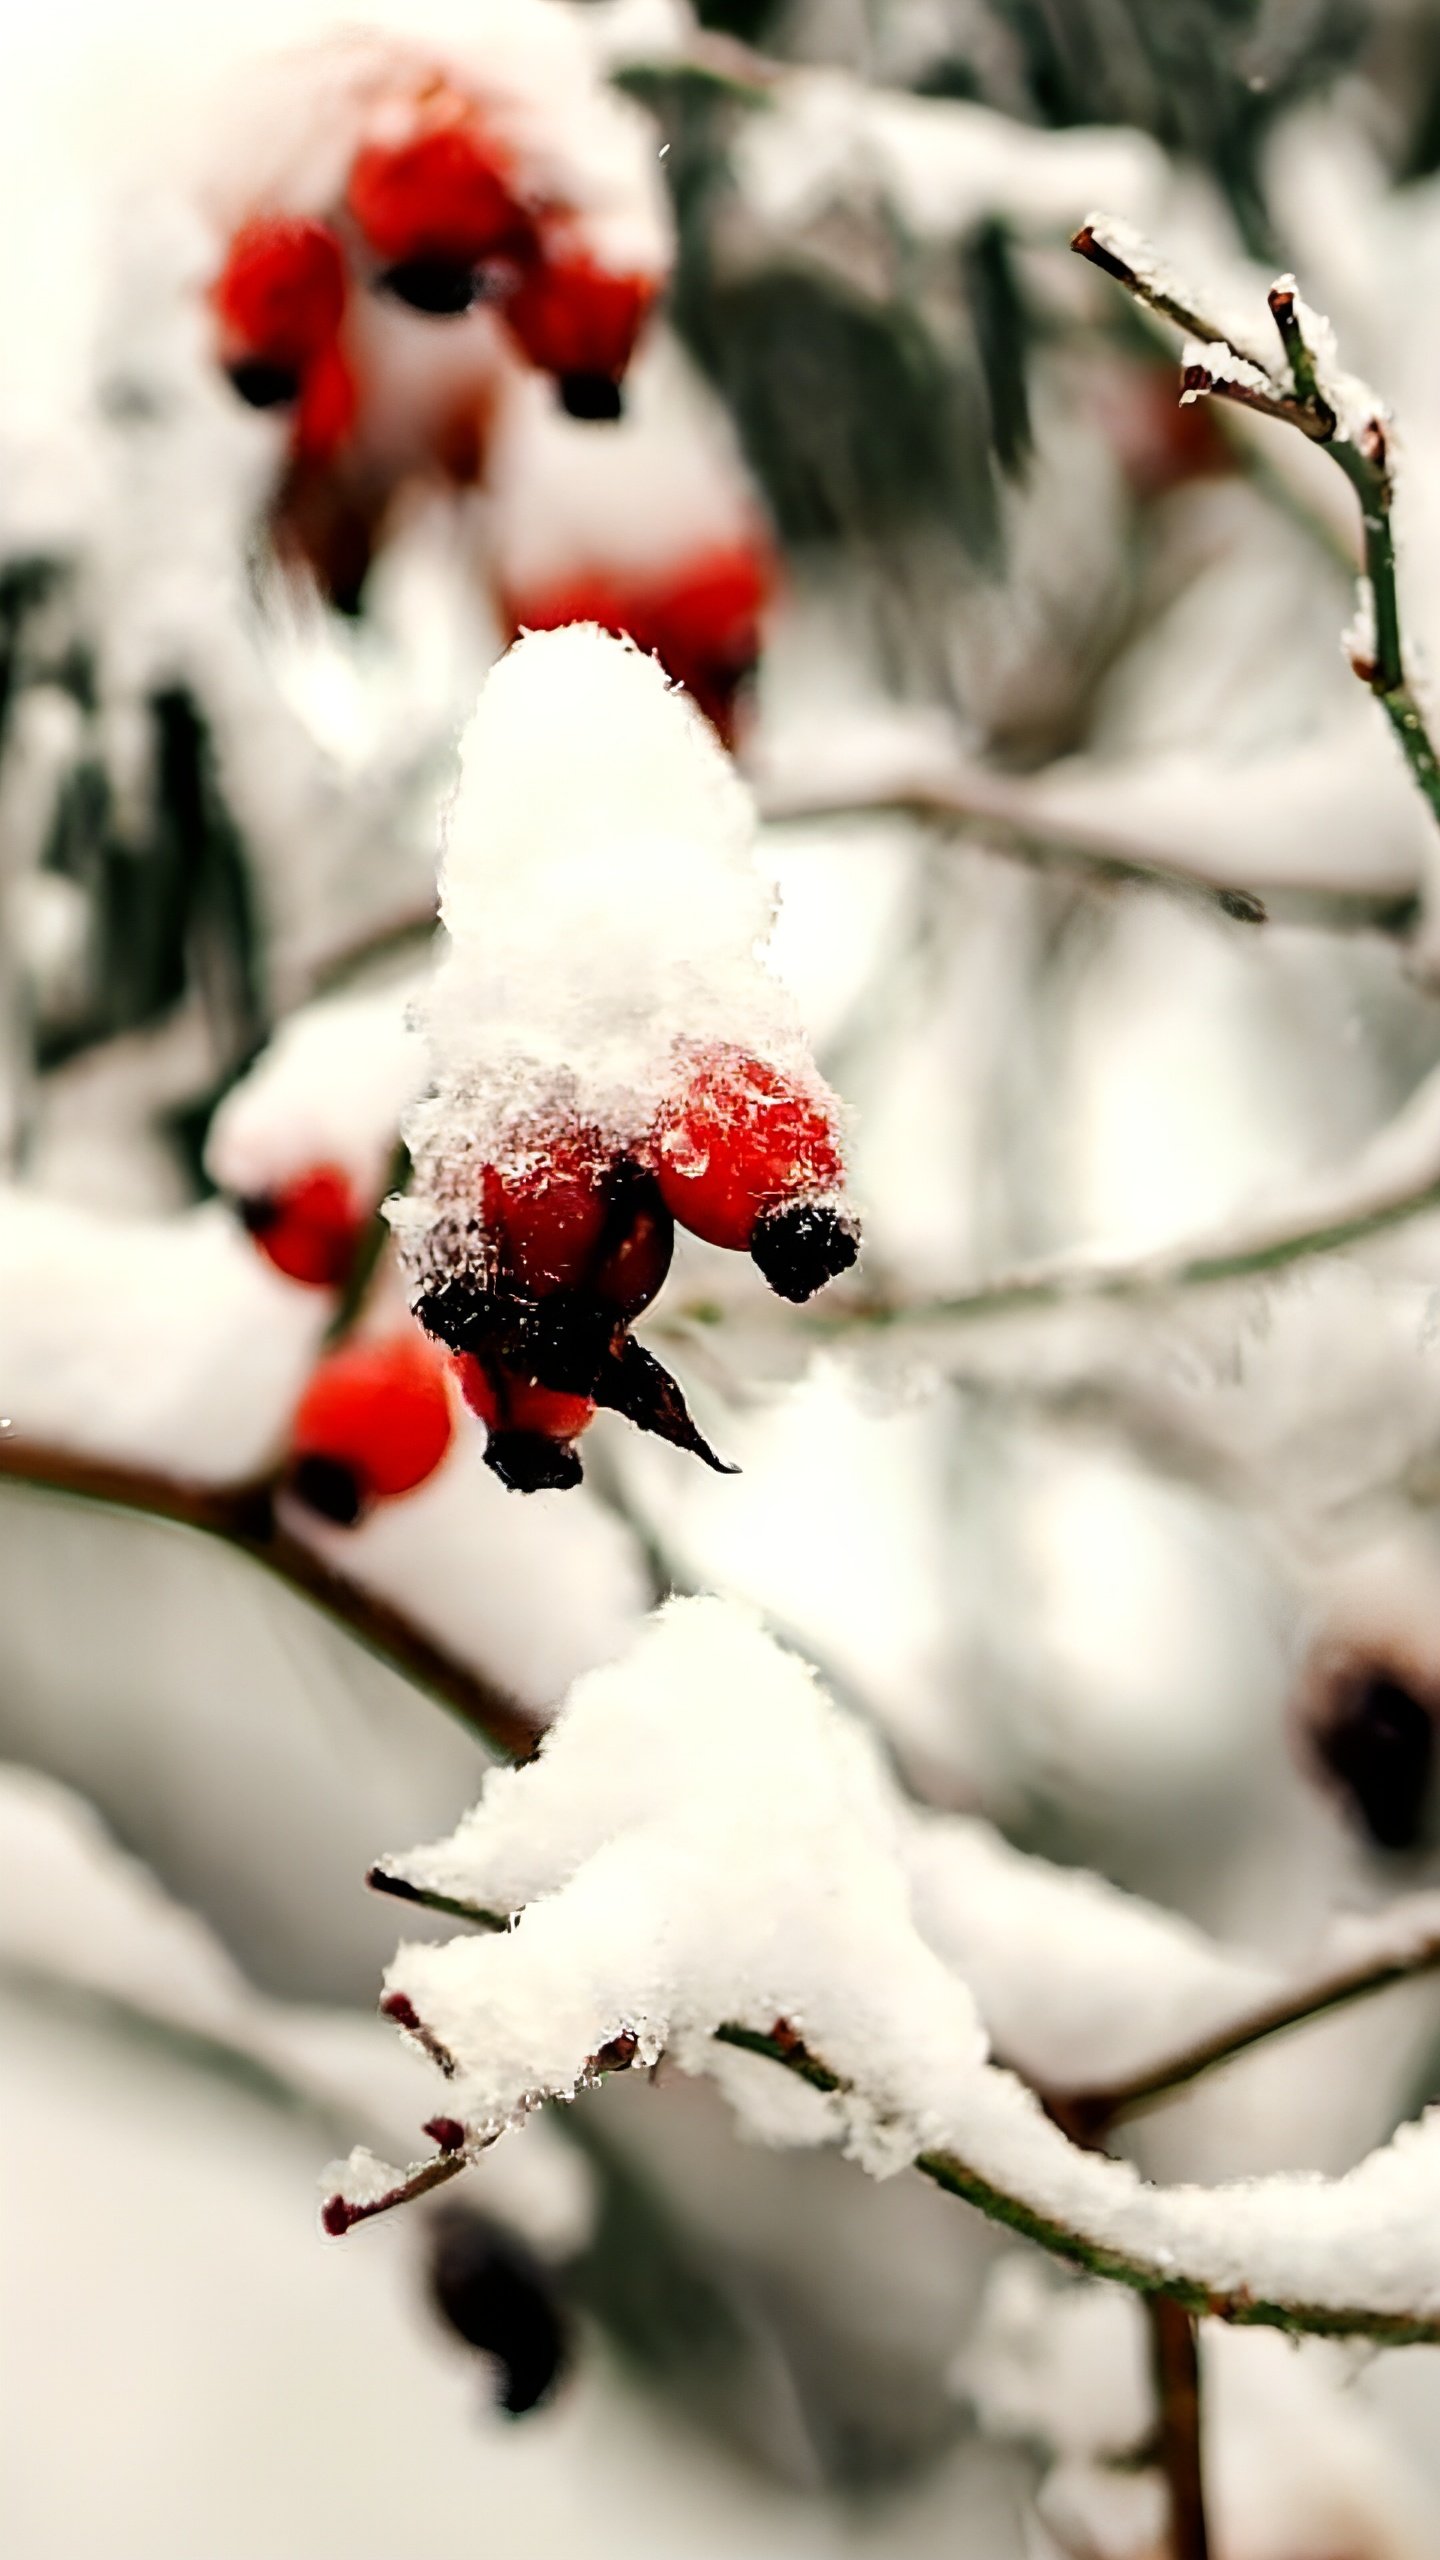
[1088,2114]
[1175,2363]
[1010,819]
[1073,1284]
[243,1517]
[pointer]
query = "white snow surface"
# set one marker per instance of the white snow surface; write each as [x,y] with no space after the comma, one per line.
[155,1342]
[76,1911]
[329,1089]
[945,164]
[604,908]
[704,1838]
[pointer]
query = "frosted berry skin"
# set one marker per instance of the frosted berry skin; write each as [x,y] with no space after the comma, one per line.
[374,1422]
[279,303]
[748,1160]
[311,1229]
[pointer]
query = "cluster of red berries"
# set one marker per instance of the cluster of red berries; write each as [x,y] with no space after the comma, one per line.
[437,222]
[568,1244]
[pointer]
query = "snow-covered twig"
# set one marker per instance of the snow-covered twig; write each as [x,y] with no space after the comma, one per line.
[243,1517]
[1335,412]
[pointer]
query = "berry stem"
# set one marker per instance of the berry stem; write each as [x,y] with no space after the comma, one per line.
[350,1305]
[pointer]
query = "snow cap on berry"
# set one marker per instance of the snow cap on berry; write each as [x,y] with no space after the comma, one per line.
[606,921]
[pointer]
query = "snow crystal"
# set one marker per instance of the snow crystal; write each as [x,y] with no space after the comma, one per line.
[705,1839]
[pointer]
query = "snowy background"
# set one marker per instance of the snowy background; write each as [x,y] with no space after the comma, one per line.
[1102,1497]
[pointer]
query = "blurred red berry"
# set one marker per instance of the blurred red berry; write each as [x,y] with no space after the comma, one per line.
[374,1422]
[702,622]
[444,194]
[575,320]
[309,1229]
[281,293]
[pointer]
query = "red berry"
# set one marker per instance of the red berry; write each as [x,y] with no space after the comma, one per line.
[310,1229]
[545,1217]
[281,292]
[443,194]
[328,401]
[637,1249]
[702,623]
[507,1403]
[374,1422]
[574,319]
[741,1138]
[704,627]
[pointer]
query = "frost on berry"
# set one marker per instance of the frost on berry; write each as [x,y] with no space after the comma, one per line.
[609,1048]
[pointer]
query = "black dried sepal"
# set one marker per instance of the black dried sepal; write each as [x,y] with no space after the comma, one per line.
[328,1486]
[528,1462]
[561,1340]
[440,287]
[499,2297]
[258,1213]
[634,1383]
[459,1313]
[1378,1745]
[798,1249]
[263,385]
[594,396]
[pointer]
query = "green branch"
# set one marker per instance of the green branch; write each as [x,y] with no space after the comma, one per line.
[1362,453]
[1142,2275]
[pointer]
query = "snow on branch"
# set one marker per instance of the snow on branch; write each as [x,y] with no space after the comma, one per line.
[1334,410]
[707,1860]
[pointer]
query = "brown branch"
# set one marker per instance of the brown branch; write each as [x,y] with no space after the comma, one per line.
[243,1517]
[1088,2114]
[1175,2363]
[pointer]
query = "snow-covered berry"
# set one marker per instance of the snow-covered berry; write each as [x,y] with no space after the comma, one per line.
[374,1422]
[749,1158]
[701,619]
[310,1228]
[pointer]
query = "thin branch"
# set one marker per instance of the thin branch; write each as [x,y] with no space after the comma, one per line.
[1175,2363]
[1011,821]
[243,1517]
[1361,450]
[1088,2114]
[1071,1284]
